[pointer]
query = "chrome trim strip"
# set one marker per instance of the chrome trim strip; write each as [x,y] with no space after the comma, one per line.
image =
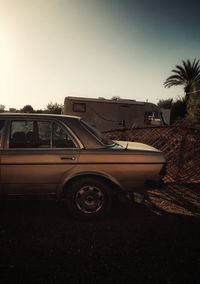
[89,163]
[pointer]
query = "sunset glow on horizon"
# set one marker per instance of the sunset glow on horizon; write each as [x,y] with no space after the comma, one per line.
[58,48]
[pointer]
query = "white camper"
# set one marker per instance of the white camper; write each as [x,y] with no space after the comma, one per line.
[107,114]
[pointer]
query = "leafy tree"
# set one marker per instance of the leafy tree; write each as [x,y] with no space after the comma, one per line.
[39,111]
[2,108]
[116,98]
[178,110]
[27,109]
[186,75]
[54,108]
[166,104]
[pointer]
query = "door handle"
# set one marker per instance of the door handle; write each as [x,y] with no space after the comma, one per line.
[73,158]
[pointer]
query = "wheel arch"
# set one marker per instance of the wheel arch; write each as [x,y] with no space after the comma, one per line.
[113,184]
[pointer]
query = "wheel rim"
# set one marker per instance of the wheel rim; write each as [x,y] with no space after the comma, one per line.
[89,199]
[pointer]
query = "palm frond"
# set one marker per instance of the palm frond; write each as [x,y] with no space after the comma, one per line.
[186,74]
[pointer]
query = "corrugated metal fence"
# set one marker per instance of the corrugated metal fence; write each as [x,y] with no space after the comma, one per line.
[180,145]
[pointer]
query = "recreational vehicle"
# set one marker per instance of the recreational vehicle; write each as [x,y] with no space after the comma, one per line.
[106,114]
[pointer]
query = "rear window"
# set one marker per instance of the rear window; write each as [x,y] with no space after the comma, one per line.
[95,132]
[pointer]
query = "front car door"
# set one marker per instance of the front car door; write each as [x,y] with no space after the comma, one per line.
[36,155]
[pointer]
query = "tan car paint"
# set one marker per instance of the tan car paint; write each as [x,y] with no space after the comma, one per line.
[46,171]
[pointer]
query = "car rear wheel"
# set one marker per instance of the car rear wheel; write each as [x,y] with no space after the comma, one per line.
[88,198]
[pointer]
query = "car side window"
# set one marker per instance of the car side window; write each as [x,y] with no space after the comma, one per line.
[30,134]
[2,124]
[39,134]
[61,139]
[44,133]
[18,132]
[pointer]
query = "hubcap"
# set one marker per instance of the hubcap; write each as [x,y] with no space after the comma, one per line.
[89,199]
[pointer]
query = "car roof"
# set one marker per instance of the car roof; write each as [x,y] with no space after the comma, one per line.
[84,136]
[38,114]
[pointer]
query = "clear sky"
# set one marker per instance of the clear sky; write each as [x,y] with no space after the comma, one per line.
[50,49]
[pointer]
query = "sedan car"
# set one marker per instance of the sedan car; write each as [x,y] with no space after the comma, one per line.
[66,158]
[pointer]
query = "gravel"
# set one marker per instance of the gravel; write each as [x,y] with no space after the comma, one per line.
[153,238]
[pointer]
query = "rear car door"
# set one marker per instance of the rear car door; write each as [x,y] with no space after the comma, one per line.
[38,152]
[2,135]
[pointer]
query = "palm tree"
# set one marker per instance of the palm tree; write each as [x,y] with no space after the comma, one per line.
[187,75]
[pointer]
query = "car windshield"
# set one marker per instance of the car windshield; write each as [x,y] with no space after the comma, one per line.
[100,136]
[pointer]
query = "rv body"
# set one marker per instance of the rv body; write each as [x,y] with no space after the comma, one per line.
[106,114]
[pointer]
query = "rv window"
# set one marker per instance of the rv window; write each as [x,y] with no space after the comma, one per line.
[79,107]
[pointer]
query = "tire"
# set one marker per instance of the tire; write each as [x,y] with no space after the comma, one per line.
[3,201]
[88,198]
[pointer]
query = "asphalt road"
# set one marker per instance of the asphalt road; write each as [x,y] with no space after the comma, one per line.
[137,243]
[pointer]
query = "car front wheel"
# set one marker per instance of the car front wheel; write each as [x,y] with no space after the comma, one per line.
[88,198]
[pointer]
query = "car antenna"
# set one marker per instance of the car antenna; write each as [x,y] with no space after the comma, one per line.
[127,145]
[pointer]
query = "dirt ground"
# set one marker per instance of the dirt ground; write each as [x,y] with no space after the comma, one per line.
[155,238]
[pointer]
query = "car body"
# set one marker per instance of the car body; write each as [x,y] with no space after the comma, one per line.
[64,157]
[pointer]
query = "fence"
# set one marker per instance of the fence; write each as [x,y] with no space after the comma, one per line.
[180,145]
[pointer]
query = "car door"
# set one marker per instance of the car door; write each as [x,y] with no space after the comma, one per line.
[2,132]
[37,154]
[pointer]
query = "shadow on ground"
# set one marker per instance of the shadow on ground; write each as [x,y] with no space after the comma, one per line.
[142,242]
